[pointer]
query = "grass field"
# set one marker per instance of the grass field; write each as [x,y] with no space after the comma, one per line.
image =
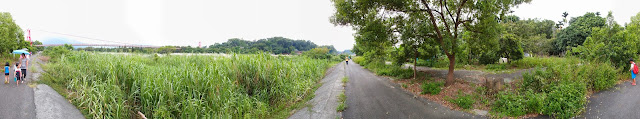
[237,86]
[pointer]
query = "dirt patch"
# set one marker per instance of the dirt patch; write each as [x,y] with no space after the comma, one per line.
[449,92]
[44,58]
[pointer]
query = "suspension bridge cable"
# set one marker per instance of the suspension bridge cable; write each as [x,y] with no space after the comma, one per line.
[82,37]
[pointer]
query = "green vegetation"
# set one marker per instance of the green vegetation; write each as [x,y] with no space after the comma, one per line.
[342,98]
[237,86]
[575,34]
[273,45]
[464,101]
[11,35]
[559,90]
[421,25]
[381,68]
[344,81]
[432,88]
[342,102]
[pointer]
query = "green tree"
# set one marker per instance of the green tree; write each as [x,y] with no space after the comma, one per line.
[611,43]
[579,29]
[444,20]
[11,35]
[510,47]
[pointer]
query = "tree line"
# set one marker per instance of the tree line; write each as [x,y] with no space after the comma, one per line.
[478,32]
[274,45]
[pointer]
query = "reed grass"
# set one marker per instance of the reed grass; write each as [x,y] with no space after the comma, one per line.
[235,86]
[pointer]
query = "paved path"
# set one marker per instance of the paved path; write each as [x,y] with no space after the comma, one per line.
[373,97]
[18,102]
[324,103]
[620,102]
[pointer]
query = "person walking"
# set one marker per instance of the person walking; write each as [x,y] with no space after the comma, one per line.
[24,61]
[6,73]
[634,71]
[346,60]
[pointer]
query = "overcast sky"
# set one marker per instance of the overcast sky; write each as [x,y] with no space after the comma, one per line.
[187,22]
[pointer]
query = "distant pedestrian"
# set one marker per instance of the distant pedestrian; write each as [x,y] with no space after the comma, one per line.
[24,61]
[346,60]
[634,71]
[18,73]
[6,73]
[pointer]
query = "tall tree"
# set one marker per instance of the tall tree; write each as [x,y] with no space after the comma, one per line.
[443,20]
[578,30]
[11,35]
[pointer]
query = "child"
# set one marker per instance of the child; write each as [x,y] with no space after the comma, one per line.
[18,74]
[6,73]
[633,75]
[347,60]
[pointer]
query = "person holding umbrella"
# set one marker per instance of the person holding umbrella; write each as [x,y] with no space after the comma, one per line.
[24,63]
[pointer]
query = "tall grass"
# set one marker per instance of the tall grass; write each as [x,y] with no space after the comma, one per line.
[238,86]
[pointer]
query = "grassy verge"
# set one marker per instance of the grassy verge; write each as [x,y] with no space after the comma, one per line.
[342,98]
[238,86]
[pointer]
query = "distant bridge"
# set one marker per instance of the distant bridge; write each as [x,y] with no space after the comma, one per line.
[104,45]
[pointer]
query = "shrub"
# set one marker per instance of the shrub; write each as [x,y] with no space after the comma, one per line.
[432,88]
[534,102]
[565,100]
[488,58]
[510,104]
[598,76]
[57,51]
[538,80]
[359,60]
[463,101]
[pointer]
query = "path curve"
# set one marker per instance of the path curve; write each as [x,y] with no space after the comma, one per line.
[374,97]
[620,102]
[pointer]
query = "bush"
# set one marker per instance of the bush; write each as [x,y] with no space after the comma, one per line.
[599,76]
[535,101]
[538,80]
[565,100]
[358,60]
[432,88]
[488,58]
[463,101]
[57,51]
[510,104]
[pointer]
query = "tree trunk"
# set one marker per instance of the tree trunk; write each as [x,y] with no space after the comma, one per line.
[452,63]
[415,64]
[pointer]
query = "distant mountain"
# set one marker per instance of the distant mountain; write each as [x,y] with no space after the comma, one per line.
[347,52]
[59,41]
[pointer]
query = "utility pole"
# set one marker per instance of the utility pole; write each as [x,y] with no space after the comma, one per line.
[29,37]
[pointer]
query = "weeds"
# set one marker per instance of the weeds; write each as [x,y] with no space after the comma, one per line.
[432,88]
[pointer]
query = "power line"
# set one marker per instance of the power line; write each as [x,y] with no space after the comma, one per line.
[82,37]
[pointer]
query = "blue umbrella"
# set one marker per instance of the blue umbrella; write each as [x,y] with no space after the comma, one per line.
[20,52]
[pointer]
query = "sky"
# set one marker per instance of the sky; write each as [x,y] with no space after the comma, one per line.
[552,9]
[188,22]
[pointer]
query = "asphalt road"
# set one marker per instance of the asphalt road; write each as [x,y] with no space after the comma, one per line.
[373,97]
[39,101]
[620,102]
[16,102]
[324,103]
